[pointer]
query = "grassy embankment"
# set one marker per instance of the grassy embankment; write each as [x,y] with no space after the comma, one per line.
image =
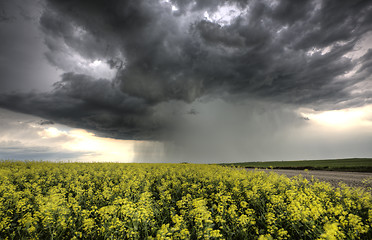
[349,164]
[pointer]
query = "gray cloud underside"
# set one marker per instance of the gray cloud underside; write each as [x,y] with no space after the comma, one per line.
[173,56]
[21,152]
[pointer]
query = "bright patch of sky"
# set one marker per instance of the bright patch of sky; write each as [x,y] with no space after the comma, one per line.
[224,15]
[341,119]
[361,47]
[359,50]
[22,135]
[71,61]
[169,4]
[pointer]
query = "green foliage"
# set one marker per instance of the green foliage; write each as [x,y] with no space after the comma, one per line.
[42,200]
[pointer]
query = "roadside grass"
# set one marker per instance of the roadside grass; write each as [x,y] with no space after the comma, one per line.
[348,164]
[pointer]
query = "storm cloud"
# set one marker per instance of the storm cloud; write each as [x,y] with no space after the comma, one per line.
[160,59]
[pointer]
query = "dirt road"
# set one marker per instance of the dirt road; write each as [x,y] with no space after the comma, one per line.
[352,179]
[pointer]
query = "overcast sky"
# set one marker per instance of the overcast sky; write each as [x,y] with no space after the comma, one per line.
[195,81]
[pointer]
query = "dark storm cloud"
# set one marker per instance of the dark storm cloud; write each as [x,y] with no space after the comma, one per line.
[23,66]
[45,122]
[288,52]
[166,60]
[4,17]
[84,102]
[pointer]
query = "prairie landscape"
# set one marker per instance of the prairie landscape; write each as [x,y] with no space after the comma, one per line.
[44,200]
[173,119]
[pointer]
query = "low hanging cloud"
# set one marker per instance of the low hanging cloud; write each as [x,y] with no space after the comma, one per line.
[159,58]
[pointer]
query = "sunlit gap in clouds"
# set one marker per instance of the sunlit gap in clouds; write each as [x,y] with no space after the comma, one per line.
[341,119]
[224,15]
[167,3]
[96,68]
[99,149]
[71,60]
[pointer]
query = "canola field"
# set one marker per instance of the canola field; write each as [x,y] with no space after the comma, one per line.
[42,200]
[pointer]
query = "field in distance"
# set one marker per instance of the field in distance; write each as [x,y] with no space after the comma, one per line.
[349,164]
